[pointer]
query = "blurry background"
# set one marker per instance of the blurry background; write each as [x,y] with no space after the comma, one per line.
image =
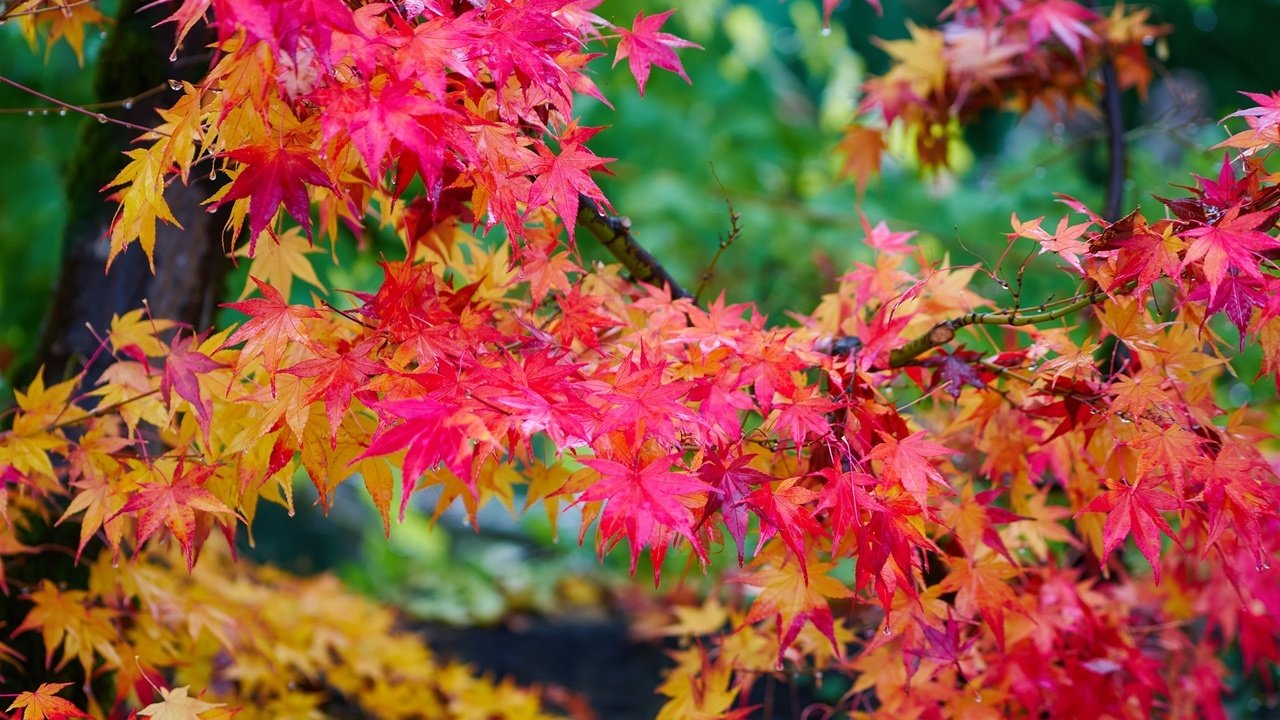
[770,95]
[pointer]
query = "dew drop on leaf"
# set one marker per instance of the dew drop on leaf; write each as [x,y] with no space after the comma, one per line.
[62,112]
[31,113]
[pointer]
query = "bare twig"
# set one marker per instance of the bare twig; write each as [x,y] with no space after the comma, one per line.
[735,231]
[100,117]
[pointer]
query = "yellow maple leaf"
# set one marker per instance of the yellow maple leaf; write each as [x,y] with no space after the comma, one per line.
[142,201]
[279,261]
[177,705]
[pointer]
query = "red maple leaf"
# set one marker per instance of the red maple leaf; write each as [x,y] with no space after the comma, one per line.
[1064,19]
[272,323]
[180,368]
[173,504]
[906,462]
[273,174]
[431,432]
[644,46]
[560,179]
[338,374]
[642,498]
[1135,508]
[782,508]
[732,481]
[1231,243]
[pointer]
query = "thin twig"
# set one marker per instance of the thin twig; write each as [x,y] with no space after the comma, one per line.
[100,117]
[126,103]
[945,331]
[735,231]
[615,234]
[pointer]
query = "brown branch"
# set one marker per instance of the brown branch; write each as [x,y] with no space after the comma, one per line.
[945,331]
[615,234]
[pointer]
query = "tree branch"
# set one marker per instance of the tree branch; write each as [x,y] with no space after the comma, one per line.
[945,331]
[615,234]
[1114,114]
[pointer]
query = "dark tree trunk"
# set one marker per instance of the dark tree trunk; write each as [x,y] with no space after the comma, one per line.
[189,262]
[189,266]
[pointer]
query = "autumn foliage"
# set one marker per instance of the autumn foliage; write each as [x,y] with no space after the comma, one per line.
[930,491]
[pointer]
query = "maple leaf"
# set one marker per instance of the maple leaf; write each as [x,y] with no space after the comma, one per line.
[781,507]
[180,369]
[793,599]
[432,432]
[957,369]
[338,374]
[641,499]
[272,323]
[43,704]
[561,179]
[177,705]
[1063,19]
[1232,243]
[273,174]
[1235,296]
[862,147]
[1135,508]
[845,496]
[732,482]
[644,46]
[173,504]
[277,263]
[906,462]
[142,202]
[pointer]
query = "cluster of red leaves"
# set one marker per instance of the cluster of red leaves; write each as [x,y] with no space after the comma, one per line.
[1008,54]
[960,558]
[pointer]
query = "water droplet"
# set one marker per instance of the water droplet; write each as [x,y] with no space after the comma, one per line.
[31,113]
[213,174]
[778,666]
[44,112]
[127,104]
[826,31]
[817,679]
[1263,565]
[1040,172]
[977,697]
[887,631]
[555,540]
[115,562]
[1149,40]
[102,34]
[102,118]
[62,112]
[175,84]
[290,512]
[173,56]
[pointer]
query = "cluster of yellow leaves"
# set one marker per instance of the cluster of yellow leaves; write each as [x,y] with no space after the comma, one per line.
[54,20]
[260,643]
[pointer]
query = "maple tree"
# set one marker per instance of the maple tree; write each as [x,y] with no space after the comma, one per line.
[959,552]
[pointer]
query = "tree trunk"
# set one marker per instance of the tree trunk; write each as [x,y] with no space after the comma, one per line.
[189,263]
[189,267]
